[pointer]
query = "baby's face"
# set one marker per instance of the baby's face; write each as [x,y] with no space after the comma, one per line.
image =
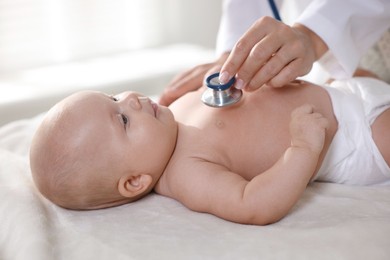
[128,131]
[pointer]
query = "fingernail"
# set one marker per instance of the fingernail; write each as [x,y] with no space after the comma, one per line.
[223,77]
[239,84]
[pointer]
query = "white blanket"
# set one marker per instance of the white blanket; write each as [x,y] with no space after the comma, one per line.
[330,222]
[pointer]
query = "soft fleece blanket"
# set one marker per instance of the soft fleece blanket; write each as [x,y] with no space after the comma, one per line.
[330,222]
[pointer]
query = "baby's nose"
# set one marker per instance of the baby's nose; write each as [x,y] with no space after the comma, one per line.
[130,99]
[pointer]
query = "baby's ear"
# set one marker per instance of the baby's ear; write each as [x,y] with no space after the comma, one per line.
[131,186]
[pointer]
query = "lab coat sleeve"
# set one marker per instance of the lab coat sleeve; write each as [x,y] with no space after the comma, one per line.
[237,17]
[349,28]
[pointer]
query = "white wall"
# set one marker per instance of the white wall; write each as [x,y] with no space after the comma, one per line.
[45,32]
[195,21]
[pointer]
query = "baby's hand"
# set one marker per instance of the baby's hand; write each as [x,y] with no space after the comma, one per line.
[307,128]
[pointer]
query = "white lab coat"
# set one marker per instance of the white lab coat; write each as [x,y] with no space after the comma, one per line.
[349,27]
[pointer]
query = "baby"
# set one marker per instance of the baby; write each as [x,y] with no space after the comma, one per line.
[248,163]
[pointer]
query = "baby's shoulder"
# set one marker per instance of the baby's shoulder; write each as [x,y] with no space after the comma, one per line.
[184,174]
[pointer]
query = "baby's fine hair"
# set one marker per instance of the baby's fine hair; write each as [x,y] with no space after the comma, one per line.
[61,172]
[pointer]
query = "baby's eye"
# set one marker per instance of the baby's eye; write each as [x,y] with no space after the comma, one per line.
[114,98]
[125,120]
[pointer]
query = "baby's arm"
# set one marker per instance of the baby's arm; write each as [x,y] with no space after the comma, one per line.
[270,195]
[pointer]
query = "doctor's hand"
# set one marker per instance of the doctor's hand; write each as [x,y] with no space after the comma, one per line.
[190,80]
[272,53]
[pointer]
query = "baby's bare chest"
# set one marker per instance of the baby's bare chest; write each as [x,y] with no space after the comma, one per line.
[247,145]
[247,139]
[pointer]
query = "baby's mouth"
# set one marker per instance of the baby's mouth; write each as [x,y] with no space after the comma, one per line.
[155,108]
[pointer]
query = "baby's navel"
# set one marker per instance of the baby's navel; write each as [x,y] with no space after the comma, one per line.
[219,123]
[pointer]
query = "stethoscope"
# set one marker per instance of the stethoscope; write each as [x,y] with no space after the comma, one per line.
[223,95]
[220,95]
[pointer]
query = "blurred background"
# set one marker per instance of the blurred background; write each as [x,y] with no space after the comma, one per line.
[43,32]
[50,48]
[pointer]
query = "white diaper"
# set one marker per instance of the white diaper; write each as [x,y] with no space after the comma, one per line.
[353,158]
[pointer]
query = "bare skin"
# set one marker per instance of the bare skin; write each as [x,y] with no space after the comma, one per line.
[380,134]
[221,153]
[249,163]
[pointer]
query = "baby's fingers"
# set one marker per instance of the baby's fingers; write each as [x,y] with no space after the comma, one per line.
[322,121]
[306,116]
[304,109]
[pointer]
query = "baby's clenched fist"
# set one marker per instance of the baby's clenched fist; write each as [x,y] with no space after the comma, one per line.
[307,128]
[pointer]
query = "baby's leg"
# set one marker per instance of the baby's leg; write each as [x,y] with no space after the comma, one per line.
[359,72]
[381,134]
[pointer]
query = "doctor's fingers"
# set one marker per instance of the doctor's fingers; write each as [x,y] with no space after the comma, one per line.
[256,33]
[262,53]
[265,69]
[294,57]
[284,66]
[290,72]
[301,58]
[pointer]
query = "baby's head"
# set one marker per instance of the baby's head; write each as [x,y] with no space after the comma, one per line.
[94,150]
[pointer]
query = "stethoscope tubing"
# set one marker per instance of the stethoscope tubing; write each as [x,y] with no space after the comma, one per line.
[274,10]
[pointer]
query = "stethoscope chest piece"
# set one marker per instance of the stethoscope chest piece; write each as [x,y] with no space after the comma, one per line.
[220,95]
